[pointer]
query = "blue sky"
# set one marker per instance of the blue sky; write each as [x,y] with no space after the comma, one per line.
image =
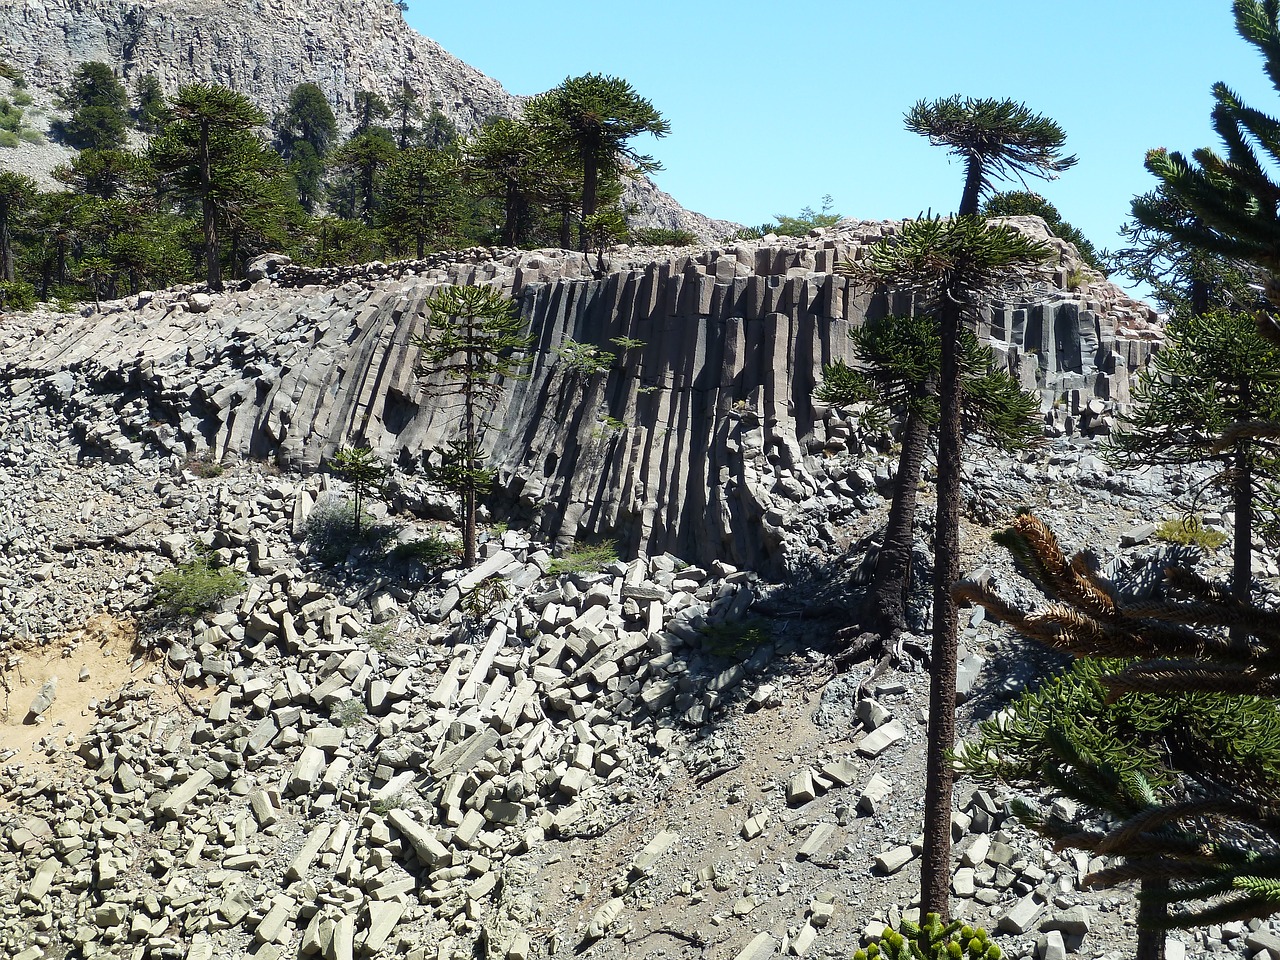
[773,105]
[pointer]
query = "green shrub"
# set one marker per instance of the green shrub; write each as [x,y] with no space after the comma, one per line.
[479,605]
[735,639]
[1189,532]
[429,551]
[349,713]
[663,237]
[584,358]
[30,136]
[195,587]
[204,466]
[8,138]
[931,940]
[333,532]
[584,558]
[16,294]
[21,98]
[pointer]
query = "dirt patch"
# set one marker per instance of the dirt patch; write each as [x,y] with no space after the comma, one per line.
[103,652]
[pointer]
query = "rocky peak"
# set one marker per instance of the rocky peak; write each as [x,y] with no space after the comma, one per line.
[264,48]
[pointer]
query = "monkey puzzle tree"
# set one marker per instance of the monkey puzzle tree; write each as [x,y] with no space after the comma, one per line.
[898,377]
[360,162]
[421,197]
[305,131]
[952,266]
[209,153]
[1184,279]
[1231,200]
[100,107]
[473,342]
[505,158]
[360,467]
[1214,371]
[1167,723]
[996,139]
[589,120]
[17,193]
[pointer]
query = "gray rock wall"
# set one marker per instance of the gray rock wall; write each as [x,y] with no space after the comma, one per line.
[700,442]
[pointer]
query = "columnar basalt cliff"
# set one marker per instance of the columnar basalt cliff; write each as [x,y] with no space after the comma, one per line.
[700,441]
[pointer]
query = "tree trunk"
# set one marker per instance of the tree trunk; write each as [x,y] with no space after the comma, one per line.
[1242,503]
[366,183]
[888,594]
[509,216]
[566,226]
[209,211]
[6,244]
[972,188]
[469,423]
[590,191]
[935,869]
[1151,913]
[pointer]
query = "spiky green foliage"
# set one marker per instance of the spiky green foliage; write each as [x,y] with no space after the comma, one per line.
[1232,195]
[996,139]
[210,155]
[1183,278]
[422,199]
[508,161]
[899,359]
[17,193]
[1215,370]
[361,468]
[475,340]
[590,121]
[962,260]
[931,940]
[1170,727]
[99,108]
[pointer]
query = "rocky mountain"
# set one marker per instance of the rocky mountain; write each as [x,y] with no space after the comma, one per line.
[264,48]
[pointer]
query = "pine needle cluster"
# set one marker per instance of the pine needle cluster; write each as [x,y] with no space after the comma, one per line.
[1167,728]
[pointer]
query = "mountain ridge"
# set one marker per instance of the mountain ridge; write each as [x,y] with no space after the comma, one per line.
[264,48]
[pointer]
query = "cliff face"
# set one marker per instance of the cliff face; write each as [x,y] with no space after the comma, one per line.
[264,48]
[704,440]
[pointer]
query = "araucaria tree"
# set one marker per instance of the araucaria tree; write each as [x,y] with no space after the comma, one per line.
[17,193]
[1215,370]
[897,376]
[475,339]
[1167,723]
[961,262]
[305,132]
[1231,202]
[589,121]
[210,154]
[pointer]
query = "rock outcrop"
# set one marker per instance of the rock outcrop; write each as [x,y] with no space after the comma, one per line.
[703,426]
[264,48]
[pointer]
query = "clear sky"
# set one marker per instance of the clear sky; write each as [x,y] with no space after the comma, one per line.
[772,105]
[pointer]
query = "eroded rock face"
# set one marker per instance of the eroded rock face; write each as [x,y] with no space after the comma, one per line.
[264,48]
[702,427]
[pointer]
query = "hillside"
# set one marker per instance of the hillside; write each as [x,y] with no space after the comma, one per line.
[647,755]
[264,48]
